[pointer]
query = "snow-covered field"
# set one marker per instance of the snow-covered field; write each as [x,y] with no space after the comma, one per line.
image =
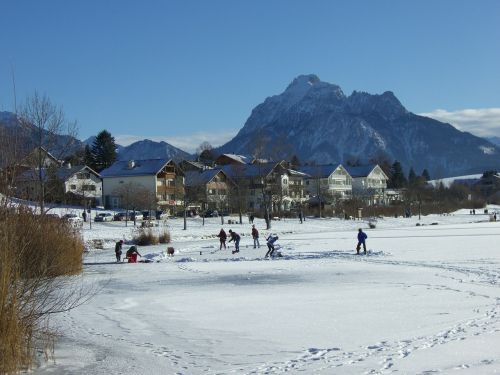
[426,299]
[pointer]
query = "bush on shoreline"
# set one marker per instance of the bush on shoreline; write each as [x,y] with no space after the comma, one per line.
[35,250]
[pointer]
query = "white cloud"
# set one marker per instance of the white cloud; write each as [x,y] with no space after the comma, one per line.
[188,143]
[483,122]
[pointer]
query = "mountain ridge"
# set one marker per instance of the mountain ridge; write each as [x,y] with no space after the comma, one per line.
[317,122]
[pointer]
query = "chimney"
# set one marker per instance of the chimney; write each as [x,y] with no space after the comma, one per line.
[131,164]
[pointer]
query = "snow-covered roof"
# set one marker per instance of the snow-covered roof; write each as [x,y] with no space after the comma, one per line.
[137,168]
[238,158]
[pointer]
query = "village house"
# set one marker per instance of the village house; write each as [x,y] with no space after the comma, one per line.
[274,184]
[210,189]
[330,182]
[369,182]
[162,178]
[79,184]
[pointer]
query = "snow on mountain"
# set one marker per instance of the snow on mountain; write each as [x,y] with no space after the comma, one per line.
[147,149]
[316,121]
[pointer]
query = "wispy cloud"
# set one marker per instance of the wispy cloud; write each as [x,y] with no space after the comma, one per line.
[483,122]
[188,143]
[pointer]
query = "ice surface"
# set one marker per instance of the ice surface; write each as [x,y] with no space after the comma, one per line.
[425,299]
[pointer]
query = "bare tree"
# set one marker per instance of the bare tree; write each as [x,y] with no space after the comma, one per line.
[48,124]
[133,196]
[238,196]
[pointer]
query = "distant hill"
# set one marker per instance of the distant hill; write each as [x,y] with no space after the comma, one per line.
[316,121]
[494,140]
[147,149]
[26,136]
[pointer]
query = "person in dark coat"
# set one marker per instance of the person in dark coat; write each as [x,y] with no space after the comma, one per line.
[255,236]
[361,241]
[236,238]
[271,239]
[222,238]
[118,250]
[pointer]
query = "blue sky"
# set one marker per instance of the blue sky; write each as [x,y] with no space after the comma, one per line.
[188,71]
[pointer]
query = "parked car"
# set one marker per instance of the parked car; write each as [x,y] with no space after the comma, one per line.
[160,215]
[104,216]
[120,216]
[73,219]
[136,215]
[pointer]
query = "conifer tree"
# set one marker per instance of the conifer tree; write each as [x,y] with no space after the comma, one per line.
[412,177]
[88,159]
[295,162]
[398,179]
[426,175]
[103,150]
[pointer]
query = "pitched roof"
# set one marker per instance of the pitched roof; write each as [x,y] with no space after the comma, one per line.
[321,171]
[248,170]
[65,172]
[140,168]
[193,178]
[361,171]
[62,173]
[242,159]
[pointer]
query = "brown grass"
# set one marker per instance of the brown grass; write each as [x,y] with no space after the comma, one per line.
[34,251]
[165,236]
[145,236]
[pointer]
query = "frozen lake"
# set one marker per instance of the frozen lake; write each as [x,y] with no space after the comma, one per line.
[424,300]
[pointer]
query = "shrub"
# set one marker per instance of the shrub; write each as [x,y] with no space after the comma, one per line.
[34,251]
[165,237]
[145,236]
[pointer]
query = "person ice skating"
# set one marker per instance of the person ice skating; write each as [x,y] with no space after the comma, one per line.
[118,250]
[251,218]
[361,241]
[236,238]
[255,236]
[132,254]
[84,216]
[271,239]
[222,238]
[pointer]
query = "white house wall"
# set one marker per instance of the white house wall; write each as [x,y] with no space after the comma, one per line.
[75,185]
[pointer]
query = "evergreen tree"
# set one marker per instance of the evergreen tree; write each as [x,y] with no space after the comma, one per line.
[398,179]
[412,177]
[88,159]
[103,150]
[295,162]
[426,175]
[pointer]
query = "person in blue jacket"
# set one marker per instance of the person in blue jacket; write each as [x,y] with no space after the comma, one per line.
[361,241]
[271,239]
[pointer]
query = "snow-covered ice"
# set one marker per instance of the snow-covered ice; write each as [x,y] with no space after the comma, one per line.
[424,300]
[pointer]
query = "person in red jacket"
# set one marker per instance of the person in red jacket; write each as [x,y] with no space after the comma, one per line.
[255,236]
